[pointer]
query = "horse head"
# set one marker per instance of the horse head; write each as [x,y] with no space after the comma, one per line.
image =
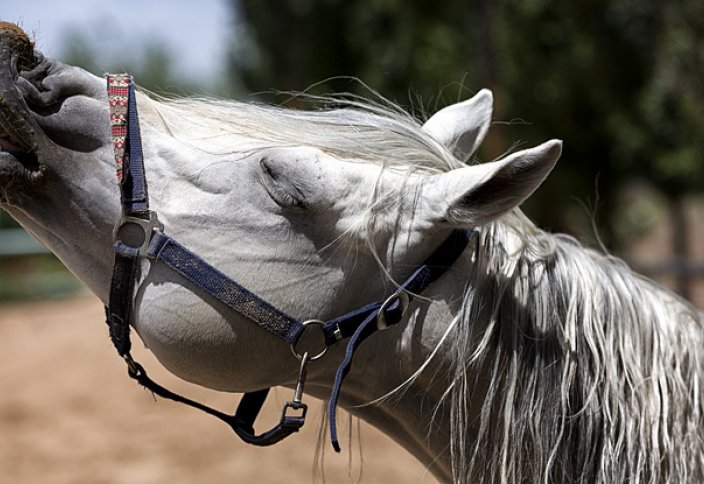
[527,335]
[308,223]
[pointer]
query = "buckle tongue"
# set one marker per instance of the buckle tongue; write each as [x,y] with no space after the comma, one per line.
[136,232]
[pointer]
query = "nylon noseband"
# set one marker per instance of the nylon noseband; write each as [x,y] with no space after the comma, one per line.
[159,248]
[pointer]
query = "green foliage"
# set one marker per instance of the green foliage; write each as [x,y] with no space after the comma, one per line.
[6,221]
[391,45]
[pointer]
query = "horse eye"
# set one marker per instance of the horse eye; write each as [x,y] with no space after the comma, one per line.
[279,188]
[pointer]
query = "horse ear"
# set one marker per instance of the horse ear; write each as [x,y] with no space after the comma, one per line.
[462,126]
[477,194]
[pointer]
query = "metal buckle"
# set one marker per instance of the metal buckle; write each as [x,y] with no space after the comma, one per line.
[293,345]
[147,225]
[403,300]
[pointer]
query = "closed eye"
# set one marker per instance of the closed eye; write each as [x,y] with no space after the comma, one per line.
[280,189]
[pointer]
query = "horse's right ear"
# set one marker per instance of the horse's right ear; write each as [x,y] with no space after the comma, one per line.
[461,127]
[477,194]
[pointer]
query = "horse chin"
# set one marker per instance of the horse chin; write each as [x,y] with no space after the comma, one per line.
[20,171]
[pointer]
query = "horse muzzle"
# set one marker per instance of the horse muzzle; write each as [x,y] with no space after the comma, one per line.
[53,116]
[19,162]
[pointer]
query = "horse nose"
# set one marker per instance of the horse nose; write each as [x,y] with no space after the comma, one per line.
[14,42]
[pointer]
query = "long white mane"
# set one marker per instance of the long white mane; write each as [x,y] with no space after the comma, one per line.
[581,370]
[567,366]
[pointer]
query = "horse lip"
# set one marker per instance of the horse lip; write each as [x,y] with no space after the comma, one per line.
[18,138]
[18,129]
[18,163]
[20,173]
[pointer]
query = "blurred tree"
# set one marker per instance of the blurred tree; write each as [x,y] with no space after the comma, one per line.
[671,106]
[391,45]
[619,80]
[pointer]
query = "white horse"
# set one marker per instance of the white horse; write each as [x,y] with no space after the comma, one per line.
[532,359]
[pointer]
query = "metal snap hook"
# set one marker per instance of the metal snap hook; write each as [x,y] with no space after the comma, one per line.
[296,403]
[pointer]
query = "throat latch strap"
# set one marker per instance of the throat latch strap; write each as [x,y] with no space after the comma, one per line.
[242,421]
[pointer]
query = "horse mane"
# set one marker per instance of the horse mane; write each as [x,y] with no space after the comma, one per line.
[566,365]
[351,128]
[569,367]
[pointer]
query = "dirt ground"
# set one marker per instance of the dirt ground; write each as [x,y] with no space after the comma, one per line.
[70,414]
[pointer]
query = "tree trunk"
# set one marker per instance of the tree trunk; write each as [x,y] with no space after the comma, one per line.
[680,244]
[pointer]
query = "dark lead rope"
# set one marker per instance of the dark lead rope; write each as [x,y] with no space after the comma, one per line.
[356,325]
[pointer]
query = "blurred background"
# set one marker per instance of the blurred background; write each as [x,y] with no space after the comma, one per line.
[621,81]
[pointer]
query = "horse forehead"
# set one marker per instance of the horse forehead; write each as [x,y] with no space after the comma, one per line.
[326,167]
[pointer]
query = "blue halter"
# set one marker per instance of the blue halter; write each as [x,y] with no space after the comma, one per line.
[158,247]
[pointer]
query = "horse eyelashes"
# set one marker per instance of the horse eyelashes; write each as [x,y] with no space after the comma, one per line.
[280,189]
[266,169]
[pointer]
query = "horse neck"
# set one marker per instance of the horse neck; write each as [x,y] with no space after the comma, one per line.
[400,380]
[519,313]
[413,409]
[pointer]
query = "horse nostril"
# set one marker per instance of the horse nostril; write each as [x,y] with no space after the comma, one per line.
[19,44]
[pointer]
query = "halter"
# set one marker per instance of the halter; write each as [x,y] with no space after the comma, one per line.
[159,248]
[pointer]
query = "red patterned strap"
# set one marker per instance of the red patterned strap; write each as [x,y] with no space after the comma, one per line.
[118,97]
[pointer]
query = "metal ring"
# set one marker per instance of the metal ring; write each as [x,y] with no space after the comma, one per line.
[147,225]
[293,345]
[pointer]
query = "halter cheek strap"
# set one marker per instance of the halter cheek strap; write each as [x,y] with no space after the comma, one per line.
[135,212]
[158,247]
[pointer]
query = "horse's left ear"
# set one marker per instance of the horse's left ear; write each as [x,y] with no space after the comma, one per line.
[461,127]
[477,194]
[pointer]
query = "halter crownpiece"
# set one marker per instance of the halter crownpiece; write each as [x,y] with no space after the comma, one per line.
[154,245]
[118,99]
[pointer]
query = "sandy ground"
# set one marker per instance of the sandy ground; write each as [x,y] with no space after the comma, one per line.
[69,414]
